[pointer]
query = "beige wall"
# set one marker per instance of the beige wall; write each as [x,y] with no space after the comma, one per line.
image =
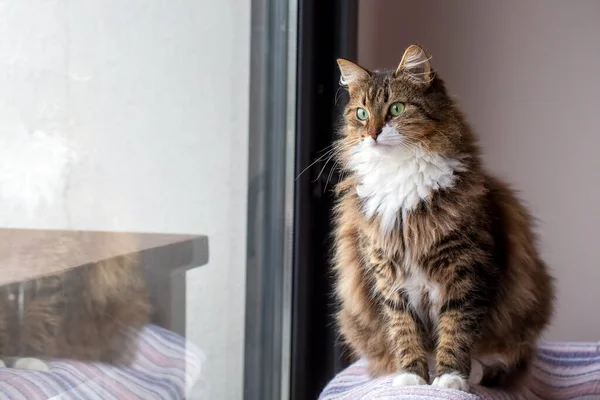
[526,74]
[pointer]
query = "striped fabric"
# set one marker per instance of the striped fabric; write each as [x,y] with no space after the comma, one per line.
[562,371]
[165,367]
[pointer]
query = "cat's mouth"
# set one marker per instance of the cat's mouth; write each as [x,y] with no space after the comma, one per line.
[388,136]
[373,135]
[382,141]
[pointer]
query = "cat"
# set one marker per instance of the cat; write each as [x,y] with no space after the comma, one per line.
[90,313]
[433,256]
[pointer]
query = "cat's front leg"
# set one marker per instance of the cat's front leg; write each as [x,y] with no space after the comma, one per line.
[405,334]
[405,331]
[458,328]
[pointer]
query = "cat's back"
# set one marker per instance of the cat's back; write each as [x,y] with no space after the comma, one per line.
[527,283]
[511,223]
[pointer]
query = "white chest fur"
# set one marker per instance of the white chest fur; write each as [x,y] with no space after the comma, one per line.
[394,178]
[418,288]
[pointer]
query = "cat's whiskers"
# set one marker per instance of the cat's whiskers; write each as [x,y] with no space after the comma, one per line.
[324,166]
[336,95]
[419,144]
[327,147]
[330,174]
[316,161]
[332,150]
[336,151]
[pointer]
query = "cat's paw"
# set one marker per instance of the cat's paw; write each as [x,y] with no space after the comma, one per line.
[32,364]
[451,381]
[408,379]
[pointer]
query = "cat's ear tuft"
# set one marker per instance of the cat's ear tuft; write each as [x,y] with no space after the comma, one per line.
[415,64]
[351,73]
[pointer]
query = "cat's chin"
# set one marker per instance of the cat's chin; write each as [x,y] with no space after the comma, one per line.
[384,147]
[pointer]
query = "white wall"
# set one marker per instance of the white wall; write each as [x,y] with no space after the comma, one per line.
[525,74]
[152,96]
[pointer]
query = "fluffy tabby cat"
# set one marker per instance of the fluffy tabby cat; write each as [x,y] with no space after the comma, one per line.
[434,257]
[90,313]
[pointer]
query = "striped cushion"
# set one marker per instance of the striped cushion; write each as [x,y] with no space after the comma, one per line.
[562,371]
[165,367]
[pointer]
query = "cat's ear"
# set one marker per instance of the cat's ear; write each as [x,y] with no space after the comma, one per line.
[415,64]
[351,73]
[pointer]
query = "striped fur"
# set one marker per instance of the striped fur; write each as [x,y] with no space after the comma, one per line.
[458,275]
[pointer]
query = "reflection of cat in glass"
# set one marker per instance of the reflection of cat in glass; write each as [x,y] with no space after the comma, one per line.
[85,313]
[89,313]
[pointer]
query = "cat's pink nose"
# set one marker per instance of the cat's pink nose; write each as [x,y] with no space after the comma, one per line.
[374,134]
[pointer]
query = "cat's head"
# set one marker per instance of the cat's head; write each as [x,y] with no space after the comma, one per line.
[401,111]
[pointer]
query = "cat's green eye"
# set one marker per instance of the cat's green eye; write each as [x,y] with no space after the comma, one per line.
[362,114]
[396,109]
